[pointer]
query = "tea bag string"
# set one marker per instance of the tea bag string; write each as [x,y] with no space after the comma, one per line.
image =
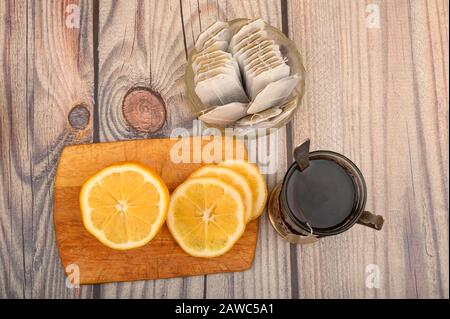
[307,239]
[250,52]
[212,33]
[248,41]
[311,231]
[256,115]
[209,67]
[260,59]
[245,43]
[217,92]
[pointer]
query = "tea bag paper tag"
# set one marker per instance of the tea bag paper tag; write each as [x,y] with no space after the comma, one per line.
[224,115]
[256,118]
[259,81]
[274,94]
[208,33]
[287,108]
[301,240]
[252,27]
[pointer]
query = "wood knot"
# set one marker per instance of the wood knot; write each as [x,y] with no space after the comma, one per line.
[144,110]
[79,117]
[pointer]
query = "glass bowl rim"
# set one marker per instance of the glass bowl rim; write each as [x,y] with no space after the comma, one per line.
[293,50]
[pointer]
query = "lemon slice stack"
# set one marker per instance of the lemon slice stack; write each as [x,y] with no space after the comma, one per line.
[208,212]
[125,205]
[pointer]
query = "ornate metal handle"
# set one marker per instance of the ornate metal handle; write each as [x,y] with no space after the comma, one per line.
[371,220]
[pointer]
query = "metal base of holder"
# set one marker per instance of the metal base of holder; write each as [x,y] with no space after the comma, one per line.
[280,226]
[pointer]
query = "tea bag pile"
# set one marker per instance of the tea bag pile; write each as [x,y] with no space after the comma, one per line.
[242,78]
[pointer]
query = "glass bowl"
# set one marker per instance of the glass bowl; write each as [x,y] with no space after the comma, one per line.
[293,59]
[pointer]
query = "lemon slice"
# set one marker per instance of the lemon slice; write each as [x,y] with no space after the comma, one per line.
[206,216]
[232,178]
[124,206]
[256,181]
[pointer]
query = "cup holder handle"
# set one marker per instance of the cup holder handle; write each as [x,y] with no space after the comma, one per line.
[371,220]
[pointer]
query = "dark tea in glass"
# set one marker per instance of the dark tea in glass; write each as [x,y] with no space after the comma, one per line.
[324,199]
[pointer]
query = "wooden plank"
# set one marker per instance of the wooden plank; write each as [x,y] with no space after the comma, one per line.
[427,128]
[141,45]
[15,189]
[270,275]
[380,96]
[376,95]
[61,109]
[47,71]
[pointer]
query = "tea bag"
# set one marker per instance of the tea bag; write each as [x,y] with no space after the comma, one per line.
[287,109]
[258,80]
[256,118]
[262,62]
[270,61]
[225,114]
[220,69]
[221,45]
[208,63]
[220,89]
[288,105]
[260,67]
[211,31]
[219,38]
[248,79]
[252,27]
[274,94]
[249,38]
[259,60]
[216,74]
[222,62]
[246,52]
[211,50]
[249,41]
[209,58]
[223,34]
[252,69]
[261,54]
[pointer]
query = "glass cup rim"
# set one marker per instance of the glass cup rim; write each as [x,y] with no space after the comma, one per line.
[194,102]
[360,188]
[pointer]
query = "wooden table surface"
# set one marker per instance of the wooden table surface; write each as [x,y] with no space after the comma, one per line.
[377,91]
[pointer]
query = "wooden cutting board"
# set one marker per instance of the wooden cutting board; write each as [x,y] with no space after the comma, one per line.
[162,257]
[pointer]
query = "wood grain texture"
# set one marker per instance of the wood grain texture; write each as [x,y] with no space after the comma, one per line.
[63,78]
[379,96]
[15,186]
[141,44]
[270,275]
[47,70]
